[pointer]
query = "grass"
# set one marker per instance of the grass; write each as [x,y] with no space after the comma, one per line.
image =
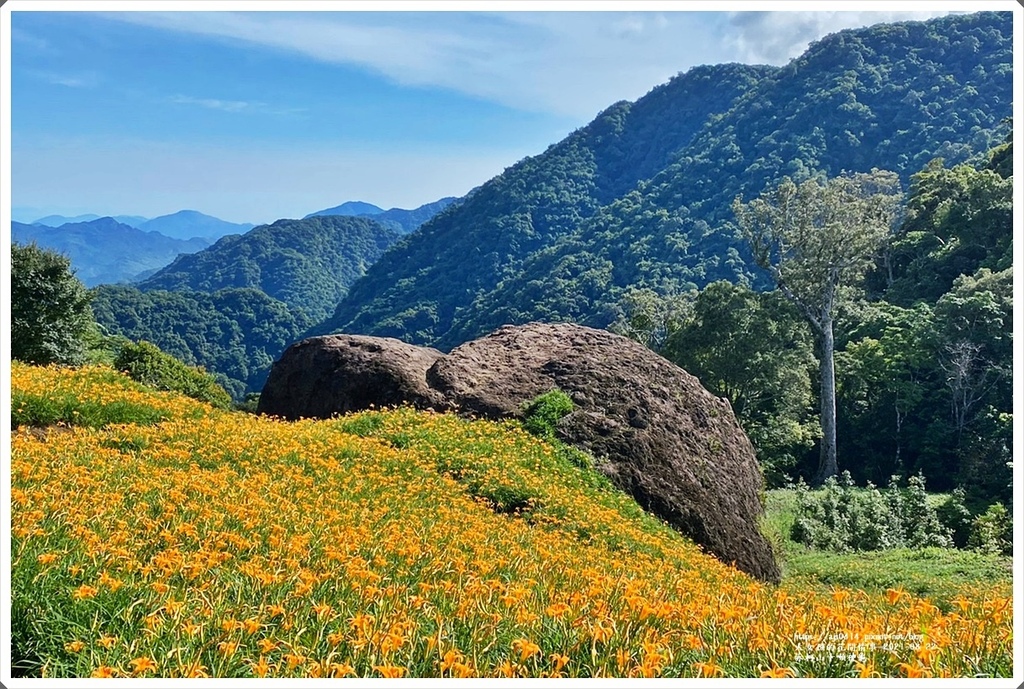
[936,573]
[402,543]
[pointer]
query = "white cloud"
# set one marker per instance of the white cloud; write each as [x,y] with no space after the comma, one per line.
[233,105]
[567,63]
[777,37]
[212,103]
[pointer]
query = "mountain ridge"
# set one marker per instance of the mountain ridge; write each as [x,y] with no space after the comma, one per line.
[58,220]
[562,235]
[185,224]
[107,251]
[400,220]
[308,264]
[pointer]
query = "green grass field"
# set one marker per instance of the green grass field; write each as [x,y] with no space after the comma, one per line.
[935,573]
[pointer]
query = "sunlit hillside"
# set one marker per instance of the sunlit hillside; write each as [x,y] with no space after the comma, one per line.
[155,536]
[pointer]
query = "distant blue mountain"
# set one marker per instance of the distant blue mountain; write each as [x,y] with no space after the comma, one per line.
[104,251]
[58,220]
[189,224]
[398,219]
[355,208]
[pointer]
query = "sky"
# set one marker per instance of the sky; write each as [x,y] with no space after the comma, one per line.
[254,116]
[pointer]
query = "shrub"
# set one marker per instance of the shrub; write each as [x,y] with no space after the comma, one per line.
[147,364]
[541,414]
[991,531]
[249,403]
[920,522]
[955,516]
[842,517]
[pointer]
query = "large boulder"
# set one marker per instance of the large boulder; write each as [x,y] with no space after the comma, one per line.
[655,431]
[335,374]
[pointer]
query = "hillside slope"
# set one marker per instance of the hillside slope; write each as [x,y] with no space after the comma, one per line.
[308,264]
[395,543]
[640,197]
[235,333]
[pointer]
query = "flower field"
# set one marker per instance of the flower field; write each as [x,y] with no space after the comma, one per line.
[161,537]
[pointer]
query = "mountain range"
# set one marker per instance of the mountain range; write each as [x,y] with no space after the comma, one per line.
[181,225]
[308,264]
[105,251]
[108,252]
[640,197]
[399,219]
[58,220]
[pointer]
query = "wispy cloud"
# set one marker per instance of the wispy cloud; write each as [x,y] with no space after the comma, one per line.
[233,105]
[25,40]
[84,80]
[213,103]
[567,63]
[777,37]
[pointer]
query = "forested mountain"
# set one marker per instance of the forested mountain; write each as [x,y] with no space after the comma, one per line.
[236,305]
[308,264]
[923,346]
[400,220]
[640,197]
[926,367]
[235,333]
[188,224]
[104,251]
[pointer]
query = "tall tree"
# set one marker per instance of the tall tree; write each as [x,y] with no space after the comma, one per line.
[814,240]
[50,312]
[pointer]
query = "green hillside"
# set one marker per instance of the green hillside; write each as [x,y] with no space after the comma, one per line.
[234,307]
[640,197]
[308,264]
[414,291]
[235,333]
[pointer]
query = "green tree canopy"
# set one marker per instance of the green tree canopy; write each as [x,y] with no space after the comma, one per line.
[815,239]
[755,350]
[50,312]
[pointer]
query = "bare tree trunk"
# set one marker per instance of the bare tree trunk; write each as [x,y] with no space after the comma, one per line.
[827,465]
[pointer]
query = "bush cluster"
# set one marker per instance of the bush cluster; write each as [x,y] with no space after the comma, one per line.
[842,517]
[146,363]
[541,414]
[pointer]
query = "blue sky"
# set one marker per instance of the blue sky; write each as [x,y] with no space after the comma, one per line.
[254,116]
